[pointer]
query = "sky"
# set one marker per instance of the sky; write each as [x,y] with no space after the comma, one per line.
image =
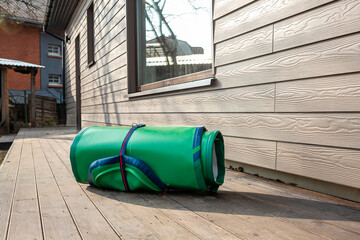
[192,26]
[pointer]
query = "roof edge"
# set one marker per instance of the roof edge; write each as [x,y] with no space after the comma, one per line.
[48,13]
[26,20]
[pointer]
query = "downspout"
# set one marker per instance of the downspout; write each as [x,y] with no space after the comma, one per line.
[48,12]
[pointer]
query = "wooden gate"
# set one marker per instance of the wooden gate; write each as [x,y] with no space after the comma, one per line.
[45,114]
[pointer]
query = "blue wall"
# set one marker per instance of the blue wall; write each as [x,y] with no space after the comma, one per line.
[52,65]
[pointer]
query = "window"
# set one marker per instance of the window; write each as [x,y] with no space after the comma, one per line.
[54,80]
[172,42]
[90,34]
[54,50]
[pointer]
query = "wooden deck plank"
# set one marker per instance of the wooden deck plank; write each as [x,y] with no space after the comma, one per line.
[160,224]
[128,226]
[53,208]
[184,217]
[90,222]
[246,207]
[294,217]
[8,174]
[197,224]
[241,218]
[25,221]
[322,211]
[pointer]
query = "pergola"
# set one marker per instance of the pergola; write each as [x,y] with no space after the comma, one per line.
[21,67]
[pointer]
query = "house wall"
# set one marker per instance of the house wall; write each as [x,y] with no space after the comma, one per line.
[20,42]
[53,65]
[287,94]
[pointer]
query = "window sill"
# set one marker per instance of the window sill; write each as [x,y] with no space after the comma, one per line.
[54,56]
[173,88]
[55,86]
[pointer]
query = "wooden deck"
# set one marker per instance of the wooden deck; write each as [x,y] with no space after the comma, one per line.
[40,199]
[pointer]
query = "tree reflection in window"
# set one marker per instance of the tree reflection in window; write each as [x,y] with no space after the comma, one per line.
[174,38]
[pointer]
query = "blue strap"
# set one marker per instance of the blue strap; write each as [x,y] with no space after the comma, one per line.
[122,153]
[139,164]
[149,173]
[196,158]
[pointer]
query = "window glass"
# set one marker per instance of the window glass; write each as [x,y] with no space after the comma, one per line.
[54,50]
[174,38]
[54,79]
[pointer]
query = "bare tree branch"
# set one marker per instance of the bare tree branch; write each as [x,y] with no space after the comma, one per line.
[33,9]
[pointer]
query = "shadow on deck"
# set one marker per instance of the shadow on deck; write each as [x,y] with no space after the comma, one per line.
[41,199]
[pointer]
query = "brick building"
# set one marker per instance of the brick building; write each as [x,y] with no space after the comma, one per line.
[22,38]
[20,41]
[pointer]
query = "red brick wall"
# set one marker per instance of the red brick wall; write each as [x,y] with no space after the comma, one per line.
[20,42]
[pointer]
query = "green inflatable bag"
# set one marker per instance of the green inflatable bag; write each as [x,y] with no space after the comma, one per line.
[149,158]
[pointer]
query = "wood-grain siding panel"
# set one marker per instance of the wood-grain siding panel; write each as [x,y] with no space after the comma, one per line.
[90,124]
[105,99]
[111,81]
[107,73]
[333,20]
[250,151]
[223,7]
[341,130]
[110,31]
[258,14]
[100,67]
[107,47]
[104,44]
[341,55]
[335,165]
[77,16]
[70,119]
[102,8]
[111,16]
[104,69]
[247,99]
[258,42]
[339,93]
[111,88]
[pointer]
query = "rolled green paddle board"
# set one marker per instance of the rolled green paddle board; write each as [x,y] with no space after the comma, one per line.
[149,158]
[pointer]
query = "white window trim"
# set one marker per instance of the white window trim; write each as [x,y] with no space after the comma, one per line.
[54,83]
[54,54]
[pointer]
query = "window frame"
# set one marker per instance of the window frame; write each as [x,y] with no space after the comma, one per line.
[90,34]
[132,56]
[52,54]
[53,83]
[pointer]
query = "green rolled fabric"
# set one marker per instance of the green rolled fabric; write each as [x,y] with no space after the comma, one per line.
[153,158]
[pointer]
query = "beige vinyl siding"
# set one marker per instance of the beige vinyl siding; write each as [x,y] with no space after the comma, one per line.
[287,94]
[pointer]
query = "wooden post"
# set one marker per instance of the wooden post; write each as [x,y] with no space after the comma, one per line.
[5,100]
[33,99]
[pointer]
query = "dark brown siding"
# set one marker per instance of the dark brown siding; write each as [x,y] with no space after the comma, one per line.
[90,34]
